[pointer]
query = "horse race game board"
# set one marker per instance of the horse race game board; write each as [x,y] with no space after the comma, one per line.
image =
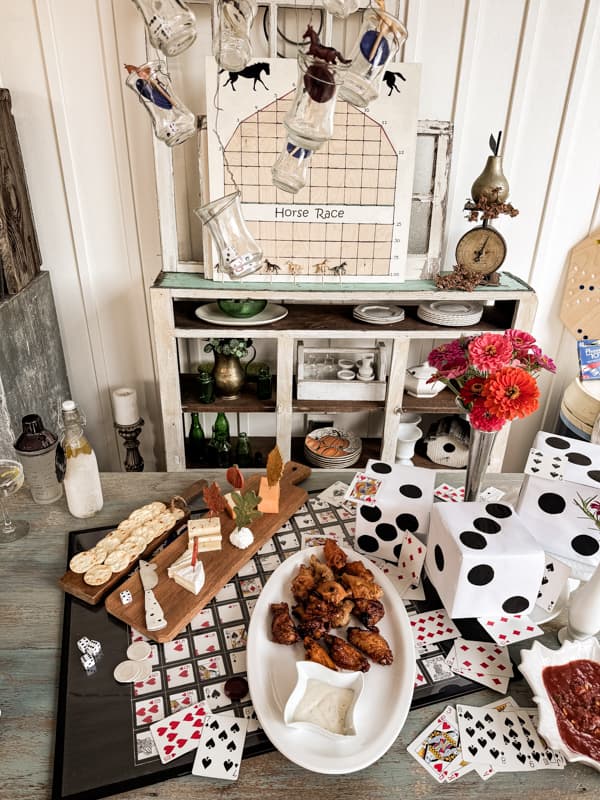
[103,741]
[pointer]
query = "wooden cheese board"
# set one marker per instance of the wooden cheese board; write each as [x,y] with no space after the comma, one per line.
[180,606]
[73,583]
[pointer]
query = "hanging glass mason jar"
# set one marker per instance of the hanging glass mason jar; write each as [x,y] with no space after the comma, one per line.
[309,122]
[171,25]
[239,254]
[290,171]
[377,45]
[173,123]
[341,8]
[231,38]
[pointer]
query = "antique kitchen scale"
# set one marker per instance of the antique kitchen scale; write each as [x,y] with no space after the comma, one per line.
[481,251]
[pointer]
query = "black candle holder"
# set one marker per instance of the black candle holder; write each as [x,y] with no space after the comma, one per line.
[130,435]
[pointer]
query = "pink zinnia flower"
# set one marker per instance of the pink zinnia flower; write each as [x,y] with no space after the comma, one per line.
[484,420]
[490,352]
[539,361]
[449,359]
[520,340]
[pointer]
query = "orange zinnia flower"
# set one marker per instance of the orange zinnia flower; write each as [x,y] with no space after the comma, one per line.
[511,393]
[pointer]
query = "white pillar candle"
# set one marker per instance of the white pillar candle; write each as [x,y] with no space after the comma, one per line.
[125,407]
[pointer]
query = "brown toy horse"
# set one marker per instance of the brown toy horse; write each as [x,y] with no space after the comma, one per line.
[328,54]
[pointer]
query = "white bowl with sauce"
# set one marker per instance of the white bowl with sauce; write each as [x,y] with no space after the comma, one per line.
[533,663]
[323,701]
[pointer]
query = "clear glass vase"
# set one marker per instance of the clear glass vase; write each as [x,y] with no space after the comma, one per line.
[232,47]
[377,45]
[171,25]
[341,8]
[309,122]
[239,254]
[173,123]
[290,171]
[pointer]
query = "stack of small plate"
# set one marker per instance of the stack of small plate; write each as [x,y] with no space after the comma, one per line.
[330,448]
[378,313]
[451,314]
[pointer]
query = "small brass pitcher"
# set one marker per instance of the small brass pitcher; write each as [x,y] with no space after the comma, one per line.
[229,374]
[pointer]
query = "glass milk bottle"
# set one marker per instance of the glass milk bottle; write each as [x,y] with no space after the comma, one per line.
[82,479]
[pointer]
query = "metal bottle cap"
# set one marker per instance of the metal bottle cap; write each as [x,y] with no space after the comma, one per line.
[34,438]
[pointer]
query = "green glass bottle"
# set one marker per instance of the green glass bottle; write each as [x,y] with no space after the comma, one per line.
[223,452]
[264,383]
[243,451]
[197,441]
[221,427]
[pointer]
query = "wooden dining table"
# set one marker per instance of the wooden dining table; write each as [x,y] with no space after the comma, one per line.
[31,612]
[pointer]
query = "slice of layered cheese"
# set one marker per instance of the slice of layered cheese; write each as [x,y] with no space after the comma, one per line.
[207,531]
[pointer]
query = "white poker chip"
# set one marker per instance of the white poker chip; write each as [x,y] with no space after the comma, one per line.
[145,670]
[127,671]
[138,651]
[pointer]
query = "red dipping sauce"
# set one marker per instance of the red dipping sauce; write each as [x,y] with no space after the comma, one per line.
[574,690]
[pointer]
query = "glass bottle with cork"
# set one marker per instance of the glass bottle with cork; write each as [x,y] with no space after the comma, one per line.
[82,478]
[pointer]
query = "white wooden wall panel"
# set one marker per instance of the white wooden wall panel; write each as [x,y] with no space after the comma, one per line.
[530,67]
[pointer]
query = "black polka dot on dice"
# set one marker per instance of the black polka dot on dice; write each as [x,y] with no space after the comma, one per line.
[515,605]
[594,474]
[552,503]
[498,510]
[386,532]
[585,545]
[486,525]
[370,513]
[580,459]
[407,522]
[557,443]
[480,575]
[438,555]
[368,544]
[473,540]
[236,688]
[397,550]
[409,490]
[381,468]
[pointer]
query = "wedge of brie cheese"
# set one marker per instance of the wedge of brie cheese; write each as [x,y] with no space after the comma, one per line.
[183,573]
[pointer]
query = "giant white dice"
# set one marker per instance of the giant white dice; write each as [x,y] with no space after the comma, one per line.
[402,504]
[550,510]
[482,560]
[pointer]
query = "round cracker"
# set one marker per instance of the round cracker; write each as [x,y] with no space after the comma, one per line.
[134,545]
[118,560]
[97,575]
[100,552]
[110,542]
[166,520]
[81,562]
[141,515]
[126,526]
[157,507]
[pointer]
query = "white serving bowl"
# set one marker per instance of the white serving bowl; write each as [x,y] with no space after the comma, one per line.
[532,665]
[345,363]
[307,670]
[346,375]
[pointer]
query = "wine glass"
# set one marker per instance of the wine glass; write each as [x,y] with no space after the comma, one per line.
[11,480]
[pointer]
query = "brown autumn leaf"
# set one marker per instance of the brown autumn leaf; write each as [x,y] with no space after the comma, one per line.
[235,477]
[215,502]
[274,466]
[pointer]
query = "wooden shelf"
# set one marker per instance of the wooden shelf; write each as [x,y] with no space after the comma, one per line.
[258,444]
[442,403]
[247,401]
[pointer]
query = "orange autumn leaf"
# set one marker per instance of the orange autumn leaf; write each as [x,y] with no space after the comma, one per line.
[274,467]
[235,477]
[215,502]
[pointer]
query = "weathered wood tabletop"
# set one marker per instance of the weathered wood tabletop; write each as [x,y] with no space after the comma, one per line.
[31,607]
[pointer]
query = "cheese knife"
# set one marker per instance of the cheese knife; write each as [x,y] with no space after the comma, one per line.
[155,619]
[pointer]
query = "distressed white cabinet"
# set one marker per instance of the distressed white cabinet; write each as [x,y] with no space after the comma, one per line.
[316,311]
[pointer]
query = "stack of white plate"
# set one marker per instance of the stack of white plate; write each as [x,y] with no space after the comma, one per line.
[454,314]
[378,313]
[330,448]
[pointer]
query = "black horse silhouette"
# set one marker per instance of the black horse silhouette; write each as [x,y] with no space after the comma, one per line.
[389,78]
[252,72]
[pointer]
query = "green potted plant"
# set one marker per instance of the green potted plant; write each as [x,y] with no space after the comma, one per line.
[228,371]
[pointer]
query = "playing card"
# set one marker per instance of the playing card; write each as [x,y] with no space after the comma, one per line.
[556,575]
[148,711]
[432,627]
[221,747]
[313,539]
[419,678]
[524,752]
[491,494]
[180,675]
[481,736]
[491,659]
[545,465]
[152,684]
[176,650]
[528,718]
[180,700]
[414,592]
[363,489]
[508,630]
[410,562]
[449,493]
[334,494]
[181,732]
[498,683]
[437,748]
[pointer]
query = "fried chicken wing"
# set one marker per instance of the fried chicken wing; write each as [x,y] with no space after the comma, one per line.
[334,555]
[332,591]
[358,568]
[346,656]
[303,583]
[318,654]
[361,588]
[341,616]
[282,626]
[369,612]
[372,644]
[320,570]
[315,628]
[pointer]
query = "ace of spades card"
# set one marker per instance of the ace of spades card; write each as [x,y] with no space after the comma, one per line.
[221,746]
